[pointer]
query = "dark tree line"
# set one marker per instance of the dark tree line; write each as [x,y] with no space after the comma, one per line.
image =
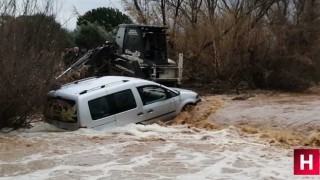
[108,18]
[97,25]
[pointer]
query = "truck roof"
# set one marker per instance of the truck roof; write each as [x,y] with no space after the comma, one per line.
[141,25]
[83,86]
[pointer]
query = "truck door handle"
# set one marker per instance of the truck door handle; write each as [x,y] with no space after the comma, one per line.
[150,111]
[140,113]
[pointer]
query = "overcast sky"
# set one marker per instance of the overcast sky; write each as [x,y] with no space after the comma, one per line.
[66,10]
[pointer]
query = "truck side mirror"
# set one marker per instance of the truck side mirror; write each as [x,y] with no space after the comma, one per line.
[136,54]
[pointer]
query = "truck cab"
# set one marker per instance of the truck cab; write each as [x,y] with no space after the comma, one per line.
[147,45]
[149,41]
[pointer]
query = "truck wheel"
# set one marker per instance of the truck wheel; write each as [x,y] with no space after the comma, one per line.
[187,107]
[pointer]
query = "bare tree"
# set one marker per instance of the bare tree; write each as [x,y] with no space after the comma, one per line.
[31,42]
[163,12]
[211,6]
[141,14]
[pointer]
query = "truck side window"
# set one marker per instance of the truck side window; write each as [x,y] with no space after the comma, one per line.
[112,104]
[172,93]
[120,39]
[99,108]
[151,94]
[124,101]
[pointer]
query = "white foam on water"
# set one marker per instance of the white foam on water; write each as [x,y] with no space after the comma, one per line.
[139,130]
[148,152]
[44,127]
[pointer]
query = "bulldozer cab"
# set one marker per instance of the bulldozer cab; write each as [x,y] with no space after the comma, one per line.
[148,41]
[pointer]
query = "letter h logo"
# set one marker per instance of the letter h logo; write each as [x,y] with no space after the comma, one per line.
[306,162]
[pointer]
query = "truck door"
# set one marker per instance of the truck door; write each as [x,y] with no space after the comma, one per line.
[100,115]
[125,107]
[157,104]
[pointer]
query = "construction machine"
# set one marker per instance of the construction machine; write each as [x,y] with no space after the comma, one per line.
[138,51]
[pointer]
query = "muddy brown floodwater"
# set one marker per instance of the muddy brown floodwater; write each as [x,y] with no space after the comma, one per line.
[298,112]
[220,138]
[289,118]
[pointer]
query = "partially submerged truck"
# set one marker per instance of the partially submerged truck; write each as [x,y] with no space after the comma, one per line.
[138,51]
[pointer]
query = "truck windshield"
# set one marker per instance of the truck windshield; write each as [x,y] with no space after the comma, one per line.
[61,110]
[155,45]
[151,43]
[132,41]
